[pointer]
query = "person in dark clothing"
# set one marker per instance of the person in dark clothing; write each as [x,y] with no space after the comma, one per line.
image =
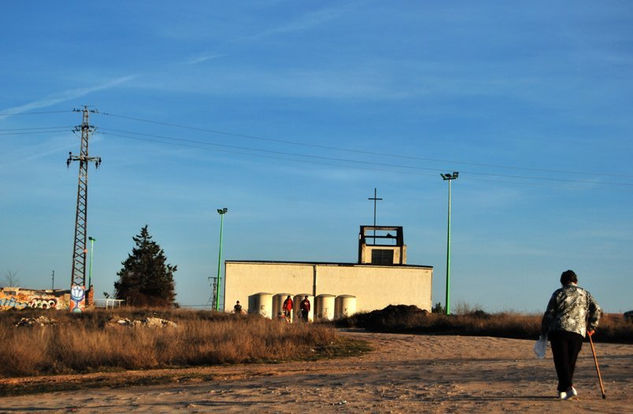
[237,308]
[304,307]
[571,313]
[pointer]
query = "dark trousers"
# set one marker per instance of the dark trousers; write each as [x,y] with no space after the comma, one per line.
[565,348]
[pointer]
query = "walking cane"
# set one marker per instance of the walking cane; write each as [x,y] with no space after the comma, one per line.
[595,359]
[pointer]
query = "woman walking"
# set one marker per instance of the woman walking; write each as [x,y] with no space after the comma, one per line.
[571,313]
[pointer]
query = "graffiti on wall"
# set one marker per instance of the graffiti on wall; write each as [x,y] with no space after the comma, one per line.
[77,298]
[26,299]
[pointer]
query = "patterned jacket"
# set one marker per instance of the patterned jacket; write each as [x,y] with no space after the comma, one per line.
[571,309]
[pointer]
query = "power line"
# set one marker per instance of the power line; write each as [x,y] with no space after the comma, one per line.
[30,133]
[33,113]
[33,131]
[249,152]
[357,151]
[318,159]
[243,150]
[228,147]
[35,128]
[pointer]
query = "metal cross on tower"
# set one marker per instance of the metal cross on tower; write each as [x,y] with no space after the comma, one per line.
[375,199]
[78,275]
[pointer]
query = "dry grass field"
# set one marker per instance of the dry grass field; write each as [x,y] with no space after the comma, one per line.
[97,341]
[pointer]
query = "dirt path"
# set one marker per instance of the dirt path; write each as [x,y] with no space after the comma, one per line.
[405,374]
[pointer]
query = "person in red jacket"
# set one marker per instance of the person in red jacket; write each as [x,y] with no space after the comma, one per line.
[287,307]
[304,307]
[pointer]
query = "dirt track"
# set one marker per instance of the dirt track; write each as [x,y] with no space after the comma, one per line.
[405,373]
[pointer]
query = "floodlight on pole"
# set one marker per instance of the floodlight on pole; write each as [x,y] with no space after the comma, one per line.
[449,177]
[221,212]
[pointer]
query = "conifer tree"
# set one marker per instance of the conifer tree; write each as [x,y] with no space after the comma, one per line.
[146,279]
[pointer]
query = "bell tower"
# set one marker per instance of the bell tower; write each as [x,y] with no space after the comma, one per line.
[381,245]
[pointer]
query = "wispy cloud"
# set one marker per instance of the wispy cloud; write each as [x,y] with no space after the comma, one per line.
[202,58]
[332,83]
[64,96]
[303,23]
[56,145]
[308,21]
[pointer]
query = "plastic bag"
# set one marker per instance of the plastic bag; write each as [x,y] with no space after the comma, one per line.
[540,346]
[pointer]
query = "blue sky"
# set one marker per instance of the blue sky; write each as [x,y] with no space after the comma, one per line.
[291,113]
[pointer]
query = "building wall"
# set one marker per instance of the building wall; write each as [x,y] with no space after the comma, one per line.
[374,286]
[18,299]
[365,253]
[243,279]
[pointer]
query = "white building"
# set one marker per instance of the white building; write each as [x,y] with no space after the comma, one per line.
[380,278]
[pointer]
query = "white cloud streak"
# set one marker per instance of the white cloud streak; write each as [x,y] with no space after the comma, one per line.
[306,22]
[64,96]
[202,59]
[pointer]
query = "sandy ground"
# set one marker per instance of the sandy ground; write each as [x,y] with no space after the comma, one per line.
[405,374]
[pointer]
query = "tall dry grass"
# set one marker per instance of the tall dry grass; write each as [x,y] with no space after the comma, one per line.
[410,319]
[88,342]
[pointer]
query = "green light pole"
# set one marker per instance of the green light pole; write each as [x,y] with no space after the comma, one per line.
[92,253]
[222,212]
[449,177]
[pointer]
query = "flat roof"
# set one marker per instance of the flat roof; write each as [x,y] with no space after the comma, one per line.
[327,263]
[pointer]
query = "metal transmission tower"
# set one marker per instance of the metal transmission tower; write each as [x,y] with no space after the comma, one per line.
[78,276]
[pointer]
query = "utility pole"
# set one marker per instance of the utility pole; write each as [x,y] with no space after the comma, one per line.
[78,273]
[449,177]
[53,280]
[221,212]
[213,283]
[92,254]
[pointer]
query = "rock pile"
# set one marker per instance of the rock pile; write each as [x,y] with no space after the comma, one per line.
[149,322]
[39,321]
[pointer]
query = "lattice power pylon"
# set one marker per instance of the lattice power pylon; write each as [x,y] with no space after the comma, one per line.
[78,276]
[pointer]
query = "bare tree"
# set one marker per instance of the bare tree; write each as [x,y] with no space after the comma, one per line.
[11,278]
